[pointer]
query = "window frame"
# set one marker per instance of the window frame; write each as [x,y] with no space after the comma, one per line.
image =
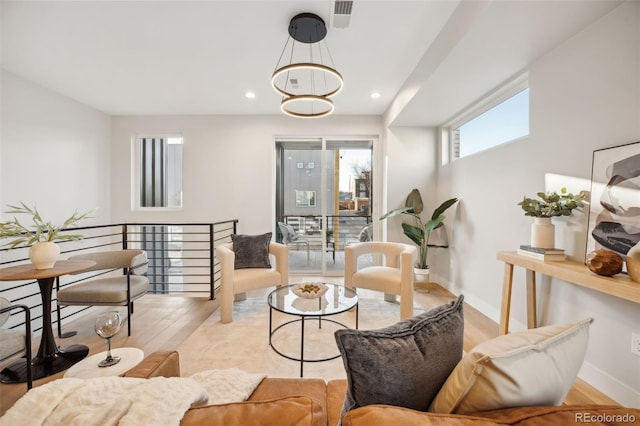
[492,99]
[136,162]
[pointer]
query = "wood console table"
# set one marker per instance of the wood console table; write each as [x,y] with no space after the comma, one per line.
[574,272]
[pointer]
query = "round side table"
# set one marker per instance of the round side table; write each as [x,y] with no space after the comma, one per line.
[88,367]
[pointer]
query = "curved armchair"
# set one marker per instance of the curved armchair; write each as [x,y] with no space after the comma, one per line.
[14,341]
[394,277]
[234,283]
[112,290]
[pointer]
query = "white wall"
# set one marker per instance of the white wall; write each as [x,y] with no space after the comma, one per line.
[585,95]
[410,163]
[54,153]
[228,163]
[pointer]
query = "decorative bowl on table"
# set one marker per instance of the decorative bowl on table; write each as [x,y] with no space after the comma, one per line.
[309,290]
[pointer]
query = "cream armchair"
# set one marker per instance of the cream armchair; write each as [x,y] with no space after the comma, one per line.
[395,277]
[234,283]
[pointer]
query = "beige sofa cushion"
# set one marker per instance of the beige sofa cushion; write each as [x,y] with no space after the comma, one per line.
[532,367]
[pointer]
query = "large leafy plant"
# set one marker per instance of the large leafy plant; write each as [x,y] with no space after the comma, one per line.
[40,230]
[419,232]
[549,204]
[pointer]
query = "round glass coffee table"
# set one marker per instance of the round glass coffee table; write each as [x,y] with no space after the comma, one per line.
[336,300]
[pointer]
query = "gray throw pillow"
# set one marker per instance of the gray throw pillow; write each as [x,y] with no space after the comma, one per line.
[403,365]
[251,251]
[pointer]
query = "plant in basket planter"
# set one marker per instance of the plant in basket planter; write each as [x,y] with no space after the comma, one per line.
[546,206]
[420,232]
[40,235]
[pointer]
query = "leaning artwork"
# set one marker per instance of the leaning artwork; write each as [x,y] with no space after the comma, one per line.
[614,210]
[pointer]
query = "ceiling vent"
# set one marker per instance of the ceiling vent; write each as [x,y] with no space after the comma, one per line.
[342,13]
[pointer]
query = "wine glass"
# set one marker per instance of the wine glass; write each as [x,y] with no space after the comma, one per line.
[107,325]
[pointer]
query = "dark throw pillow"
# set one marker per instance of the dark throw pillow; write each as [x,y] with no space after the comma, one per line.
[403,365]
[251,251]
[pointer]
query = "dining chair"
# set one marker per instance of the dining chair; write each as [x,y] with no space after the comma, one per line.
[106,289]
[15,341]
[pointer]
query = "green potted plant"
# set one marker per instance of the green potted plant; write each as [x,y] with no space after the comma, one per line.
[40,235]
[546,206]
[329,234]
[549,204]
[419,232]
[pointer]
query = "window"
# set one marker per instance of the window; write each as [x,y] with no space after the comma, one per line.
[158,166]
[501,118]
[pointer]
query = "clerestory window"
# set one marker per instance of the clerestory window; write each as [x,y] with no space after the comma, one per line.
[497,119]
[158,177]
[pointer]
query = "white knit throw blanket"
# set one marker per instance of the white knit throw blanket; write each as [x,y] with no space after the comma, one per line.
[128,401]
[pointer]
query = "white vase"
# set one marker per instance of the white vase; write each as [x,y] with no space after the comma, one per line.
[543,233]
[421,275]
[44,254]
[633,263]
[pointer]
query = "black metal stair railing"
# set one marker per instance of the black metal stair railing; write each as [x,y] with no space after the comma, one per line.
[181,260]
[340,230]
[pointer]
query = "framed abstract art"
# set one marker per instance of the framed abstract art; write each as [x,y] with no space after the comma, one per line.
[614,209]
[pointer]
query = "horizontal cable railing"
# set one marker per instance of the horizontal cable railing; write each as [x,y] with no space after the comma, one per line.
[340,230]
[181,260]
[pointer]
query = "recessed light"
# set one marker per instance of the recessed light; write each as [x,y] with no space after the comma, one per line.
[375,95]
[249,95]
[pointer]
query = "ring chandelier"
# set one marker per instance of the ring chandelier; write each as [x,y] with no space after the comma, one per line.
[305,81]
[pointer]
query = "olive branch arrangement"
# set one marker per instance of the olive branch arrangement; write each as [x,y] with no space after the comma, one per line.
[40,230]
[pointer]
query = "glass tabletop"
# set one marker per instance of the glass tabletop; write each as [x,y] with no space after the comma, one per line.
[335,300]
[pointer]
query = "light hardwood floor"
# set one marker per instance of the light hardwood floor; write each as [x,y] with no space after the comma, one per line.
[165,322]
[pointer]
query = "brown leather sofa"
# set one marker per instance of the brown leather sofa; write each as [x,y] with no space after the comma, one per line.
[307,401]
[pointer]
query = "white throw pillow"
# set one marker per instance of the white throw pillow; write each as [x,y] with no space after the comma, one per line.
[532,367]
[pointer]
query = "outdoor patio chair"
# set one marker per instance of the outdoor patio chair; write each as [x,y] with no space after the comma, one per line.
[120,290]
[366,234]
[291,237]
[394,277]
[15,341]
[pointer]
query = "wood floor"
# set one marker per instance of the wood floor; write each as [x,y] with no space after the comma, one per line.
[164,322]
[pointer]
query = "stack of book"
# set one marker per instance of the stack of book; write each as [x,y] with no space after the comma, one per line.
[544,254]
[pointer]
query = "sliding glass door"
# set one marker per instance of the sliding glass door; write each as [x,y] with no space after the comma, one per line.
[323,201]
[348,213]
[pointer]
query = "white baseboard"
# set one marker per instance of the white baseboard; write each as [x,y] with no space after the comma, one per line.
[605,383]
[610,386]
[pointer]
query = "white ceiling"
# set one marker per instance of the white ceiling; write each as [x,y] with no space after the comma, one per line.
[200,57]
